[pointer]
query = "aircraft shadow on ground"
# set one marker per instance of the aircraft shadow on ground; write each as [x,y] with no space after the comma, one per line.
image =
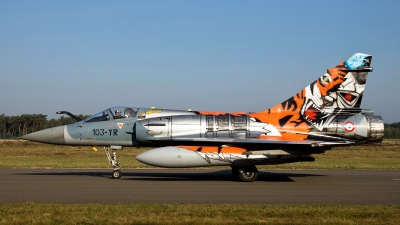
[164,175]
[215,176]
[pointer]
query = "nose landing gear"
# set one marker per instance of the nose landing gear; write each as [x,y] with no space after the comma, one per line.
[116,174]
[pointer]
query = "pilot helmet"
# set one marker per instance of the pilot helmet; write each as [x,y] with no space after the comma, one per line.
[129,112]
[118,112]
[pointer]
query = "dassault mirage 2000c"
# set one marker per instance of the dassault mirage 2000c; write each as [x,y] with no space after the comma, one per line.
[323,115]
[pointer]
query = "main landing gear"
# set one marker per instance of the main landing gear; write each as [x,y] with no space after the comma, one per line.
[245,174]
[116,174]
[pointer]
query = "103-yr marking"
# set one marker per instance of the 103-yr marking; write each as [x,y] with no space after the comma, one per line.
[102,132]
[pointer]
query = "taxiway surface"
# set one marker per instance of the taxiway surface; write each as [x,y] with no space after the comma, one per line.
[199,186]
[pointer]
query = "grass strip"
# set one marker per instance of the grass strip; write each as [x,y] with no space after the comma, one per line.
[32,213]
[25,154]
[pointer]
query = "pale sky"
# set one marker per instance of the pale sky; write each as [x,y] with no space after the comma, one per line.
[85,56]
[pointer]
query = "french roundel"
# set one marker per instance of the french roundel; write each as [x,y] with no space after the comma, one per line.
[349,126]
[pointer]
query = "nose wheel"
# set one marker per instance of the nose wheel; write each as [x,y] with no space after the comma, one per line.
[116,174]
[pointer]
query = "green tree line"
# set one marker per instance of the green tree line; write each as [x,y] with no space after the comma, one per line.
[16,126]
[392,130]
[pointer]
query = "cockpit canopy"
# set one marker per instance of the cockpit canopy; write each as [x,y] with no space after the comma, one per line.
[114,113]
[124,112]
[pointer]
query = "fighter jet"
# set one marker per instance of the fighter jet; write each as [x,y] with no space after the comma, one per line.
[323,115]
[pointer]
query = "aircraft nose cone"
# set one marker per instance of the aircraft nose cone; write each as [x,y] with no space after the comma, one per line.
[53,135]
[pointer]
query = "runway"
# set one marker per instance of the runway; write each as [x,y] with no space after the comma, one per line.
[205,186]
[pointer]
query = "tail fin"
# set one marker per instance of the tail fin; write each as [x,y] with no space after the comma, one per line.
[339,91]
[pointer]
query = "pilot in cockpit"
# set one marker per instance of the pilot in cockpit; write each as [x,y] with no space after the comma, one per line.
[118,114]
[129,112]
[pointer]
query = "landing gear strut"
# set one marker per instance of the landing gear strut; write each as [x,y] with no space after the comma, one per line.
[116,174]
[245,174]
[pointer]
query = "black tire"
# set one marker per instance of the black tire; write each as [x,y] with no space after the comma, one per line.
[116,174]
[249,174]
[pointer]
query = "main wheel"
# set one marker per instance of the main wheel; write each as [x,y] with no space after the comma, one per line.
[116,174]
[248,174]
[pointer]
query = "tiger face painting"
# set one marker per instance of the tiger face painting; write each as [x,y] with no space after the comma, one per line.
[318,104]
[327,97]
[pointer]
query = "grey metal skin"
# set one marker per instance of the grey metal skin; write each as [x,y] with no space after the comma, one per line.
[210,128]
[101,129]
